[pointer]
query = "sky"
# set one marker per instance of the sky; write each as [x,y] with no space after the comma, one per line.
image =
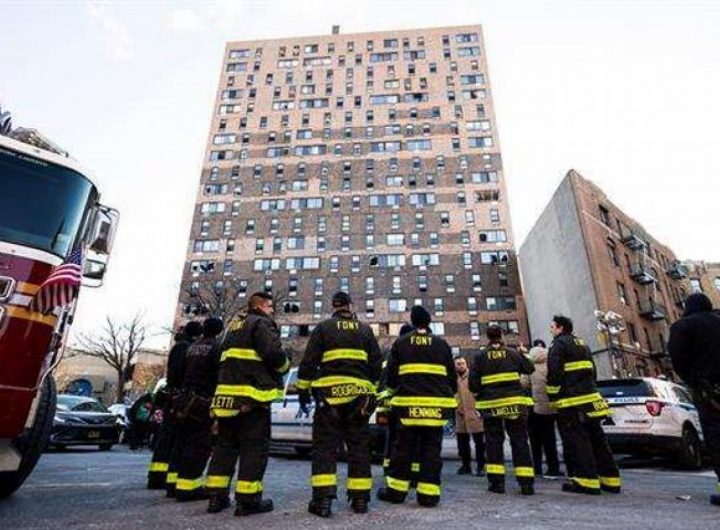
[625,92]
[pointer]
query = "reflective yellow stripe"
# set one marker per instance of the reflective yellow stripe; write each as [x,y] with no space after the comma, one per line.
[158,467]
[500,378]
[552,389]
[422,368]
[600,413]
[398,485]
[285,367]
[345,355]
[613,482]
[217,481]
[494,469]
[590,483]
[184,484]
[321,481]
[340,400]
[303,384]
[359,484]
[249,391]
[524,472]
[248,488]
[224,413]
[334,380]
[243,354]
[411,422]
[386,462]
[425,488]
[385,394]
[422,401]
[578,365]
[415,467]
[578,400]
[171,478]
[504,402]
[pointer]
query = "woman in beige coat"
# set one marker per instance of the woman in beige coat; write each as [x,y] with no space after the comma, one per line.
[468,423]
[542,420]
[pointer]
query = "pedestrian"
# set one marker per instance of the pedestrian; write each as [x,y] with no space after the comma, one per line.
[468,424]
[252,366]
[193,411]
[384,407]
[421,378]
[495,379]
[542,419]
[159,468]
[695,352]
[572,390]
[341,365]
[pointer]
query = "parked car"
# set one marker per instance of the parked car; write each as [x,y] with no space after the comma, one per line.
[84,421]
[653,417]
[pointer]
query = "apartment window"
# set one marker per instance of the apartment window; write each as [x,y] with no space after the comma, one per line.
[503,278]
[467,260]
[397,305]
[494,215]
[472,305]
[250,226]
[474,330]
[493,236]
[622,295]
[422,283]
[369,308]
[716,283]
[395,239]
[396,285]
[480,141]
[494,258]
[445,219]
[469,217]
[476,283]
[369,285]
[612,252]
[604,215]
[450,283]
[695,285]
[439,306]
[266,264]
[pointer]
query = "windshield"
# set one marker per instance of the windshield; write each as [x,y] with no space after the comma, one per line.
[614,388]
[41,205]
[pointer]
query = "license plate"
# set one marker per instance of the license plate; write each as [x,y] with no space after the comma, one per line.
[93,434]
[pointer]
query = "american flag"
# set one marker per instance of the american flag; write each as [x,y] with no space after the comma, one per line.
[61,287]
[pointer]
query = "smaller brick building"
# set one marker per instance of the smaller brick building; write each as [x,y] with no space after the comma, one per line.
[585,254]
[705,278]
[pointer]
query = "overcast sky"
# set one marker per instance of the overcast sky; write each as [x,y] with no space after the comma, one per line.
[626,92]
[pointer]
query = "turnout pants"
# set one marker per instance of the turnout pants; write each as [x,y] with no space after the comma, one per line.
[333,425]
[542,440]
[160,463]
[463,443]
[590,461]
[244,439]
[390,437]
[429,441]
[516,429]
[193,455]
[710,423]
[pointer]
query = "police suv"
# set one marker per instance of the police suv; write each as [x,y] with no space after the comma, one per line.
[292,428]
[653,417]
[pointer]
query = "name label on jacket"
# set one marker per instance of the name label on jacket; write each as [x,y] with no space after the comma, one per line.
[425,412]
[347,325]
[420,340]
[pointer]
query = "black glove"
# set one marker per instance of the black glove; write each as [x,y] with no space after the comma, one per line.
[304,400]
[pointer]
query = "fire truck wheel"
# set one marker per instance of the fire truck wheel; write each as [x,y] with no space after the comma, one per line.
[33,442]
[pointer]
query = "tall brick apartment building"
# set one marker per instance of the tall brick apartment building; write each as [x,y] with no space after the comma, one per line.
[585,254]
[365,162]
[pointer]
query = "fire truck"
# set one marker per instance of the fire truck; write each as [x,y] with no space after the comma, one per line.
[49,208]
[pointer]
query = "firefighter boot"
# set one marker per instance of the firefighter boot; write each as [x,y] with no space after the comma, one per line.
[527,489]
[574,487]
[715,500]
[496,486]
[359,504]
[251,508]
[218,503]
[389,495]
[321,506]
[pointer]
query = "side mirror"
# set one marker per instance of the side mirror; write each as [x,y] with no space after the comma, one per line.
[102,236]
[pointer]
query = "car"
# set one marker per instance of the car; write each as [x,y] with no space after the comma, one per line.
[84,421]
[120,410]
[653,417]
[292,428]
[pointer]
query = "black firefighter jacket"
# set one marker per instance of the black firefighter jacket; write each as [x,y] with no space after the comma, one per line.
[571,377]
[251,366]
[342,360]
[495,381]
[695,349]
[420,377]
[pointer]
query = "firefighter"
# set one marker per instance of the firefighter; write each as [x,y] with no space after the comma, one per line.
[192,409]
[341,365]
[160,463]
[695,352]
[495,379]
[392,420]
[421,377]
[252,366]
[572,392]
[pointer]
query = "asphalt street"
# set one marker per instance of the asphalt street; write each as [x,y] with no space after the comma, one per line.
[88,489]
